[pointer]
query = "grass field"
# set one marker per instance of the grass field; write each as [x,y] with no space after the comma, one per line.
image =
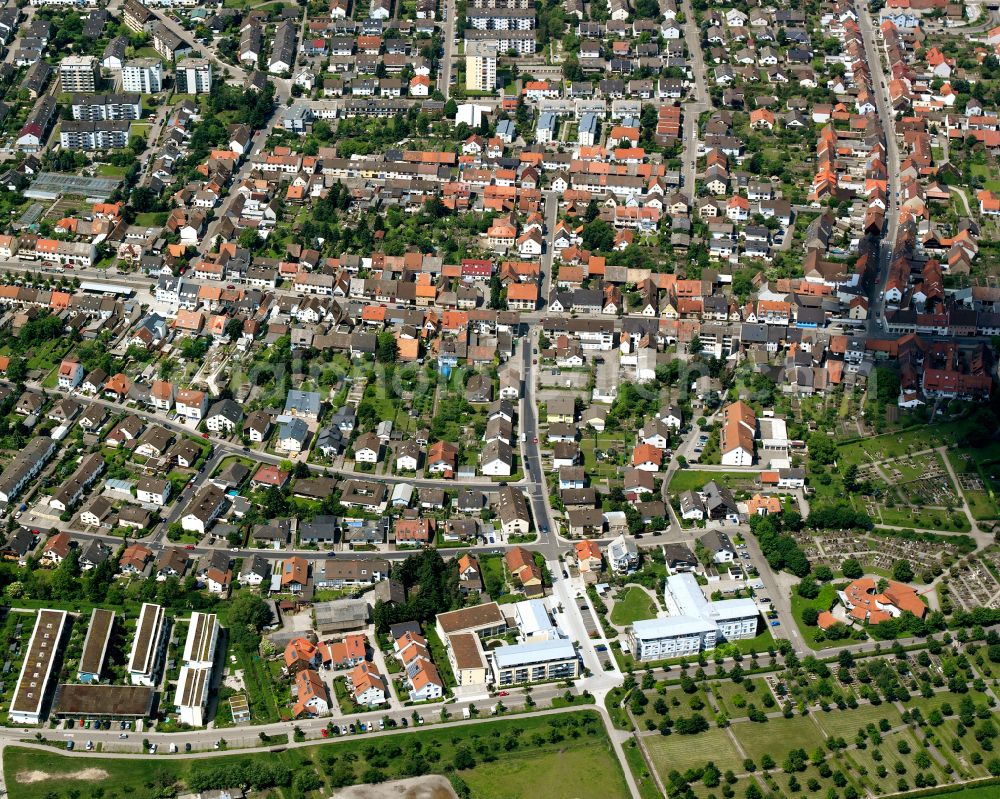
[152,218]
[548,758]
[846,723]
[633,605]
[928,706]
[691,479]
[989,791]
[111,171]
[682,752]
[778,737]
[890,753]
[583,772]
[728,692]
[892,445]
[924,519]
[827,596]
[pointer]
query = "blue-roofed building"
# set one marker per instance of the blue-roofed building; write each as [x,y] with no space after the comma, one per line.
[506,130]
[548,127]
[303,404]
[589,128]
[292,435]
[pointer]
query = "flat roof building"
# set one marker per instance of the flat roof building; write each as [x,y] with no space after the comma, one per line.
[147,646]
[202,637]
[106,701]
[535,661]
[340,615]
[95,645]
[694,623]
[191,698]
[28,704]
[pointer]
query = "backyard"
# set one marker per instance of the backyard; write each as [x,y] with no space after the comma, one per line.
[632,605]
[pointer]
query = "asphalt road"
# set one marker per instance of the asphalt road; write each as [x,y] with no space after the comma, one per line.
[876,316]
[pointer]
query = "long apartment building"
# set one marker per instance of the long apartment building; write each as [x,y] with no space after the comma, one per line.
[38,672]
[93,107]
[535,661]
[521,41]
[25,465]
[78,253]
[195,679]
[693,624]
[501,19]
[147,646]
[99,134]
[95,645]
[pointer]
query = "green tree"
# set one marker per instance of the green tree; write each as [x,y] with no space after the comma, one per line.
[902,571]
[851,568]
[386,350]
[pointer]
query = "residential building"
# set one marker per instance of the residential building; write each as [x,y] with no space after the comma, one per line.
[79,73]
[148,646]
[38,672]
[535,661]
[693,624]
[142,76]
[194,76]
[481,66]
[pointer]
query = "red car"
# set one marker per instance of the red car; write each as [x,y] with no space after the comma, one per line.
[189,546]
[326,732]
[504,693]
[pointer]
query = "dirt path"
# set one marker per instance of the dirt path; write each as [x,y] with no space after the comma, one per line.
[87,774]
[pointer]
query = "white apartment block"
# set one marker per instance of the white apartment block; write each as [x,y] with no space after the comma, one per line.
[693,624]
[142,76]
[78,73]
[194,76]
[481,66]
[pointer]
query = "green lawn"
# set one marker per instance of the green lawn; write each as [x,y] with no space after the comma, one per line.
[681,752]
[147,52]
[580,772]
[564,755]
[635,604]
[846,723]
[152,218]
[825,600]
[728,694]
[111,171]
[924,518]
[987,791]
[777,737]
[890,753]
[693,479]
